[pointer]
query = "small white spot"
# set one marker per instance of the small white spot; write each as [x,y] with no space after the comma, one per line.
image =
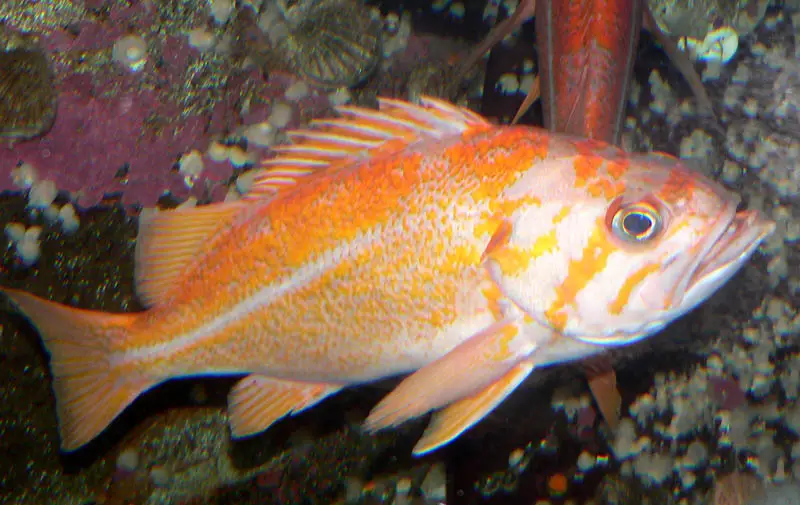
[239,157]
[508,83]
[340,97]
[131,52]
[15,232]
[159,476]
[191,164]
[391,22]
[24,176]
[69,219]
[280,115]
[297,91]
[28,248]
[217,152]
[201,39]
[128,460]
[260,134]
[439,5]
[457,10]
[750,107]
[42,194]
[221,10]
[720,45]
[526,83]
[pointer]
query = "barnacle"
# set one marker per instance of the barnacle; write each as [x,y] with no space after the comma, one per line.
[708,30]
[332,43]
[27,93]
[719,45]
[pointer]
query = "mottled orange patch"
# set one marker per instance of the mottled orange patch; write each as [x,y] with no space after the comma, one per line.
[501,154]
[513,260]
[599,187]
[586,168]
[544,244]
[606,188]
[558,320]
[623,297]
[507,208]
[580,271]
[589,146]
[616,169]
[678,186]
[562,214]
[504,350]
[493,296]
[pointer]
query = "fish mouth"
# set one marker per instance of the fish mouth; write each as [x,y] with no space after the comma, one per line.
[724,253]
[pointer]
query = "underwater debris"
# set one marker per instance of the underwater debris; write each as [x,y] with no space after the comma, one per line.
[27,93]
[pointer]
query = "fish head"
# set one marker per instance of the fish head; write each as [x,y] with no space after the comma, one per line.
[650,242]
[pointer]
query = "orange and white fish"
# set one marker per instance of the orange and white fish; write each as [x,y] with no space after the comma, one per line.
[419,239]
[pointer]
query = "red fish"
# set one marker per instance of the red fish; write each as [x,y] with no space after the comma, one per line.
[586,52]
[418,239]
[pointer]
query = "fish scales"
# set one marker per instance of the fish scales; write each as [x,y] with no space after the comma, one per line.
[372,227]
[420,239]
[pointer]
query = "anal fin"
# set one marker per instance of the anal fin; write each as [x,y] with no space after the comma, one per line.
[457,417]
[603,384]
[257,401]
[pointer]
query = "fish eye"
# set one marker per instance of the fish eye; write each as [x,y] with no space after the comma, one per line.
[636,223]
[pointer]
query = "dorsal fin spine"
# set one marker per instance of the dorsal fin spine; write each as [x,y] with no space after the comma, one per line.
[358,132]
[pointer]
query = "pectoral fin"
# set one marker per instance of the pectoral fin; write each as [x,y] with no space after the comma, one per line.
[472,366]
[256,401]
[457,417]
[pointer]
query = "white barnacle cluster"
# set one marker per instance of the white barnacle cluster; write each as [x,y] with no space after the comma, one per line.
[741,400]
[25,242]
[42,206]
[757,107]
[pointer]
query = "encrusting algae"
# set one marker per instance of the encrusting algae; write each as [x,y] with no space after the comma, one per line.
[416,239]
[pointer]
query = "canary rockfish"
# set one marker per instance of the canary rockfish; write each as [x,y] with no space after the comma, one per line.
[417,239]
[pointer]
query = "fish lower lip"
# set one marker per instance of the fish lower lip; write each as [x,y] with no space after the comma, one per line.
[746,230]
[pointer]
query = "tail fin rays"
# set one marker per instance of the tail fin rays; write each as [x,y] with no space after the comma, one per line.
[90,392]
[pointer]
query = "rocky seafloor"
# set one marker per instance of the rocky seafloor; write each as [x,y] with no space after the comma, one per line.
[110,105]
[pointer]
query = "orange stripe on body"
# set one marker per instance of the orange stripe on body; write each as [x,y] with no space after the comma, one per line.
[513,260]
[623,297]
[580,272]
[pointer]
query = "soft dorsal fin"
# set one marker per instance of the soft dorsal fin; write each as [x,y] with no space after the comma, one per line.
[169,240]
[358,133]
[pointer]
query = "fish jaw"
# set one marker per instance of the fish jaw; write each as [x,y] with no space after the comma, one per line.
[724,257]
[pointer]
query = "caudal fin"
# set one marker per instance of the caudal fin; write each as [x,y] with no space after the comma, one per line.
[89,392]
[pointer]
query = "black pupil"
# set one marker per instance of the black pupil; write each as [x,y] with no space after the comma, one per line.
[637,224]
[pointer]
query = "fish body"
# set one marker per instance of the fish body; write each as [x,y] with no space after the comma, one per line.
[420,239]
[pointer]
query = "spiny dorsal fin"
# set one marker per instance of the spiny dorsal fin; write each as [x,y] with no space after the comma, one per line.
[169,240]
[358,133]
